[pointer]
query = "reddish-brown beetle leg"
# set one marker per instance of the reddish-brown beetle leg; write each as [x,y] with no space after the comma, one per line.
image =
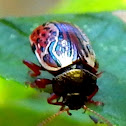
[54,97]
[40,83]
[99,74]
[67,110]
[97,103]
[35,68]
[92,101]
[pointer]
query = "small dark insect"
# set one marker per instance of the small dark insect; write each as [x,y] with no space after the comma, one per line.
[64,51]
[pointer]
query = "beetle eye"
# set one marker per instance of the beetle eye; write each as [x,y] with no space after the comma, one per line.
[33,48]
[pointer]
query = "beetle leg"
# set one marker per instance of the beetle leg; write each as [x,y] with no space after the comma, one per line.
[97,103]
[40,83]
[54,97]
[99,74]
[92,101]
[63,108]
[35,68]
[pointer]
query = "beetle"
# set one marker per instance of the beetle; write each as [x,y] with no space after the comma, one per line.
[64,50]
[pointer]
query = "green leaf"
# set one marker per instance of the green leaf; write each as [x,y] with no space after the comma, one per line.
[81,6]
[107,34]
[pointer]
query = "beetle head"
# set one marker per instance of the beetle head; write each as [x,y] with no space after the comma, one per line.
[74,100]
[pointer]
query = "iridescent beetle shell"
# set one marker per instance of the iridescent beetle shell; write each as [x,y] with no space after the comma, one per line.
[64,50]
[59,44]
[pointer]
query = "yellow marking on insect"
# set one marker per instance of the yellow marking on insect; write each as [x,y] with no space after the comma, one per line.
[77,75]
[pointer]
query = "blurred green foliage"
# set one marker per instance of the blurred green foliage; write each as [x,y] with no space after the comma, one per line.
[27,107]
[80,6]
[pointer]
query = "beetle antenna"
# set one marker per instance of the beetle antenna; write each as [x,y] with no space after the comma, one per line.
[53,116]
[100,116]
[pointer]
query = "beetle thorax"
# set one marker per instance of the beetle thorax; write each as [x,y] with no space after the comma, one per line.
[74,86]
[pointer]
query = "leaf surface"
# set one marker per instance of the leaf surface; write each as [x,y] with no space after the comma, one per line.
[107,34]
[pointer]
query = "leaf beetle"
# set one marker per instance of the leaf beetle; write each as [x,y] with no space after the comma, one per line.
[65,51]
